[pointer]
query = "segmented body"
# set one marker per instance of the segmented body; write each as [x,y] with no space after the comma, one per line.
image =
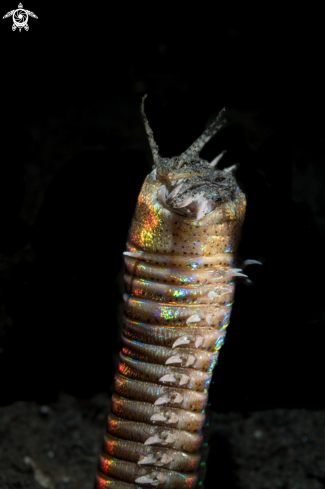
[180,272]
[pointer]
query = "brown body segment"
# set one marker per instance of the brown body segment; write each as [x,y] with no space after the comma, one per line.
[160,374]
[158,435]
[160,456]
[158,394]
[129,472]
[172,294]
[169,417]
[207,338]
[180,275]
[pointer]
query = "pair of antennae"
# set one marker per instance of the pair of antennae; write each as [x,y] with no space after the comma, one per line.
[196,147]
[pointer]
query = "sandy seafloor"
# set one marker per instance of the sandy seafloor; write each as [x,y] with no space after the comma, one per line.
[56,446]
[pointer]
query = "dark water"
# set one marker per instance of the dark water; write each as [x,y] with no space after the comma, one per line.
[73,156]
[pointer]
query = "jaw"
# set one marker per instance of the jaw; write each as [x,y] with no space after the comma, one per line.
[194,208]
[201,207]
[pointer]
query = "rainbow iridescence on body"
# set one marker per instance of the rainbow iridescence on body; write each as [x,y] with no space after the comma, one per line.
[180,283]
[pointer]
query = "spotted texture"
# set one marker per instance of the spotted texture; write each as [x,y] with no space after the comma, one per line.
[180,275]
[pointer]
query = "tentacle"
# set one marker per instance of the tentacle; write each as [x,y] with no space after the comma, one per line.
[152,142]
[232,169]
[196,147]
[216,160]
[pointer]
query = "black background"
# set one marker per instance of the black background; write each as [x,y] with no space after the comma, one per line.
[71,89]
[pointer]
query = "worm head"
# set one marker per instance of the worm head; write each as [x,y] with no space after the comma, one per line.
[192,186]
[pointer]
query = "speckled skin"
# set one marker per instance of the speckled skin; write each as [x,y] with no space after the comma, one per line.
[179,293]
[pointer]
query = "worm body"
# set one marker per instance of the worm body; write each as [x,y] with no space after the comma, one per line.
[181,264]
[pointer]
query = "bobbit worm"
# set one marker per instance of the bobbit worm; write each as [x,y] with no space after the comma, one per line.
[181,266]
